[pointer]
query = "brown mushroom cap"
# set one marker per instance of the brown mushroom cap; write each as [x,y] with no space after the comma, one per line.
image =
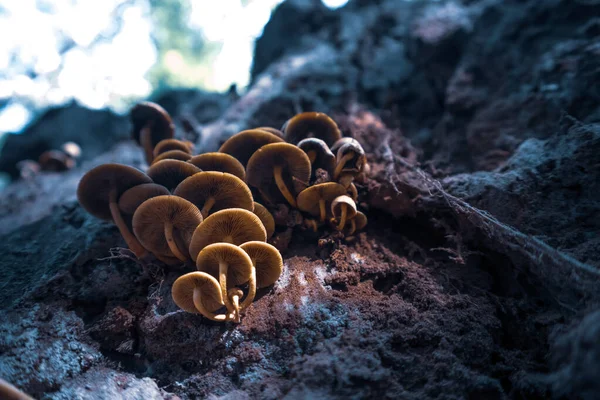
[10,392]
[338,202]
[265,217]
[311,124]
[171,173]
[360,220]
[172,155]
[151,115]
[242,145]
[267,261]
[95,187]
[171,144]
[352,154]
[132,198]
[222,189]
[271,130]
[309,199]
[294,166]
[153,215]
[219,162]
[56,161]
[210,292]
[233,225]
[239,264]
[319,154]
[339,143]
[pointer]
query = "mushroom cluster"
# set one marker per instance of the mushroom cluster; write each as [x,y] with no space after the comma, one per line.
[51,160]
[202,210]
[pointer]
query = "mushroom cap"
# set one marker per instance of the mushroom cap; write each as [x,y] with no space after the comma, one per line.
[339,143]
[71,149]
[336,205]
[151,216]
[219,162]
[242,145]
[239,263]
[311,124]
[294,162]
[267,261]
[210,292]
[228,190]
[95,187]
[360,220]
[171,173]
[325,158]
[171,144]
[265,217]
[233,225]
[308,199]
[56,161]
[151,115]
[271,130]
[358,160]
[172,155]
[131,199]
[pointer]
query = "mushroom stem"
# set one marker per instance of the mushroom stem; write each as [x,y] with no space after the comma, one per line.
[352,227]
[200,307]
[343,217]
[312,156]
[223,267]
[353,192]
[132,242]
[341,163]
[251,290]
[146,142]
[208,204]
[235,300]
[282,187]
[322,211]
[171,242]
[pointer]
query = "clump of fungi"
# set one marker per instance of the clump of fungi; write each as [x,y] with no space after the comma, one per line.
[215,210]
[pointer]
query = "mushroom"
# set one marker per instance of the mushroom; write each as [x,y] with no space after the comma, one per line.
[357,223]
[132,198]
[172,155]
[171,144]
[28,169]
[230,264]
[233,225]
[171,173]
[213,191]
[340,142]
[198,292]
[71,149]
[242,145]
[315,199]
[55,161]
[265,217]
[279,168]
[162,221]
[99,191]
[219,162]
[343,208]
[311,124]
[234,295]
[319,155]
[350,157]
[267,265]
[10,392]
[271,130]
[151,124]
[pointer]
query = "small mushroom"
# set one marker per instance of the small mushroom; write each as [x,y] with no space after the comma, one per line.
[271,130]
[315,199]
[357,223]
[279,168]
[230,264]
[233,225]
[219,162]
[98,193]
[55,161]
[213,191]
[339,143]
[132,198]
[343,208]
[172,155]
[350,157]
[266,218]
[165,224]
[10,392]
[151,124]
[319,155]
[28,169]
[311,124]
[198,292]
[171,144]
[234,295]
[71,149]
[267,265]
[171,173]
[242,145]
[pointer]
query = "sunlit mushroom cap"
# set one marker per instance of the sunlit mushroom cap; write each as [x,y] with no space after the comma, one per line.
[357,161]
[294,162]
[151,216]
[233,225]
[238,262]
[336,206]
[311,124]
[228,190]
[271,130]
[210,292]
[71,149]
[172,155]
[152,116]
[221,162]
[56,161]
[360,220]
[171,173]
[265,217]
[267,261]
[171,144]
[132,198]
[339,143]
[325,159]
[242,145]
[96,185]
[308,199]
